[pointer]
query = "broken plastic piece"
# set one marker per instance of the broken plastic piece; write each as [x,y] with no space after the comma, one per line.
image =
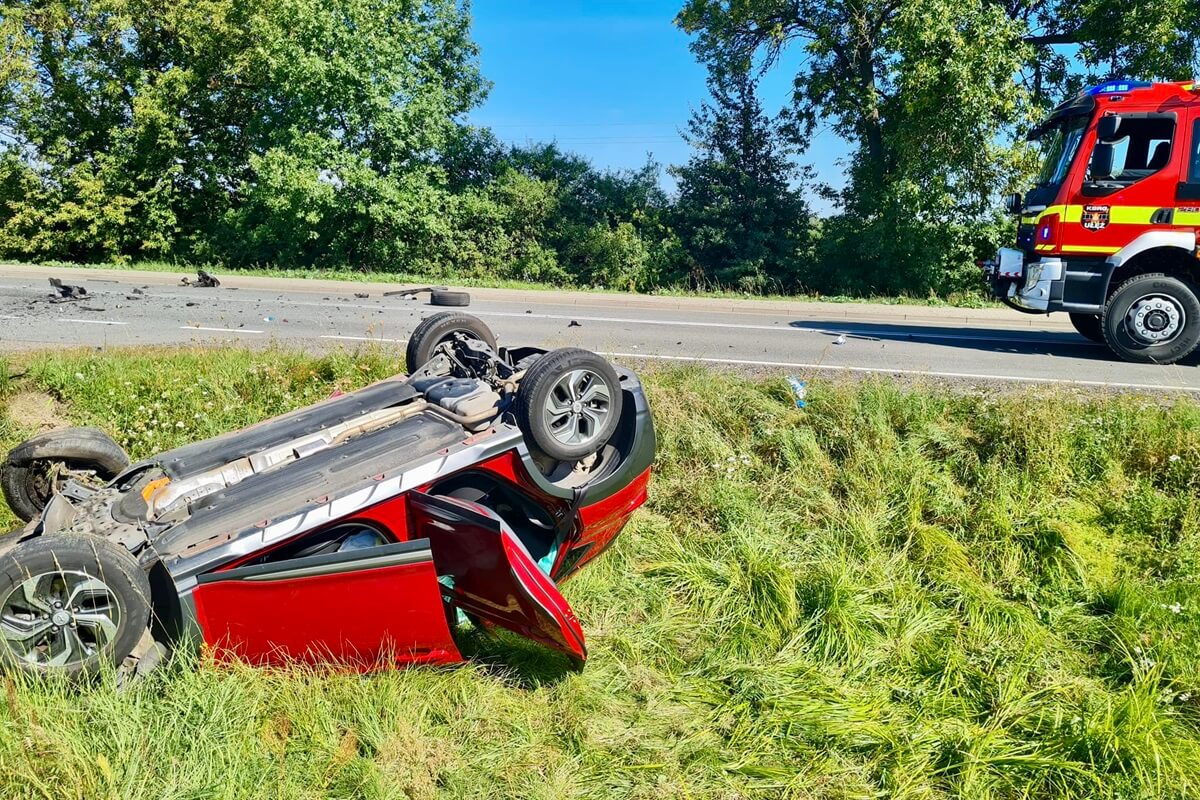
[799,390]
[203,279]
[66,291]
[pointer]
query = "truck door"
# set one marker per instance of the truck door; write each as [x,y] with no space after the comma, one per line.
[1128,183]
[1187,193]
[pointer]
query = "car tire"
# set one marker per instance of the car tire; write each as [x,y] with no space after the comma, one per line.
[1152,319]
[569,403]
[440,297]
[1088,326]
[103,605]
[23,475]
[439,328]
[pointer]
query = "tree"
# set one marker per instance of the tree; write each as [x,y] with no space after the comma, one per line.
[233,129]
[740,221]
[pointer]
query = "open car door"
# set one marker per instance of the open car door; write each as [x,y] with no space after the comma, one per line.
[491,574]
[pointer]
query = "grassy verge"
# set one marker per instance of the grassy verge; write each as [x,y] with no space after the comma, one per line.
[890,593]
[958,300]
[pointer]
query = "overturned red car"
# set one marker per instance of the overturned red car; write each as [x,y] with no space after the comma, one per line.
[369,529]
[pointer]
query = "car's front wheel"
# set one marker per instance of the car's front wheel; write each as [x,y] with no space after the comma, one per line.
[70,603]
[1152,318]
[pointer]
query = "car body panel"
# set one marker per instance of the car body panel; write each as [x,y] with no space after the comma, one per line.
[492,576]
[363,607]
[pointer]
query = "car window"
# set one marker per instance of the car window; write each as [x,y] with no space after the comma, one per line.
[1194,168]
[1144,148]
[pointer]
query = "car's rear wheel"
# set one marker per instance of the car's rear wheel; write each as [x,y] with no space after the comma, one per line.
[38,467]
[1088,326]
[441,328]
[70,603]
[1152,318]
[569,403]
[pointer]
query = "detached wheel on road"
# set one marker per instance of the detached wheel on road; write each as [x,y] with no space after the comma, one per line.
[70,603]
[38,467]
[443,297]
[1088,326]
[440,328]
[1152,318]
[569,403]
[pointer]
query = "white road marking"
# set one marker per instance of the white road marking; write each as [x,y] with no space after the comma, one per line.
[360,338]
[897,371]
[7,316]
[218,330]
[91,321]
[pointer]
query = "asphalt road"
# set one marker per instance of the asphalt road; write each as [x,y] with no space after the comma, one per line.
[780,337]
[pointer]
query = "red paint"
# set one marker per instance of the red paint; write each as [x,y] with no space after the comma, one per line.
[494,577]
[366,618]
[602,521]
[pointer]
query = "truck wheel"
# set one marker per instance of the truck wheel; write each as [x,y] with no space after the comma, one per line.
[37,468]
[569,403]
[70,603]
[1152,319]
[441,328]
[1088,326]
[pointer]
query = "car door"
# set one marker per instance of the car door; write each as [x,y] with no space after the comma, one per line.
[487,572]
[368,607]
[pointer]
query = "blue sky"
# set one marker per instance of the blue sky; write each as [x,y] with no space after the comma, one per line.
[610,80]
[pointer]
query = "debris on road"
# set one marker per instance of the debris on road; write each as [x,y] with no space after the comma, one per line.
[137,291]
[65,291]
[841,339]
[574,324]
[362,295]
[438,295]
[204,280]
[91,308]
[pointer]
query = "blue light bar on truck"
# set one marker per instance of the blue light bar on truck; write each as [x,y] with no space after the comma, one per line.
[1118,87]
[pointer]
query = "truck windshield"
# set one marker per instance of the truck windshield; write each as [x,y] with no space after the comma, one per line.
[1060,144]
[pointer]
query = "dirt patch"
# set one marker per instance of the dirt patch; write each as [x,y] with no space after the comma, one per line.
[36,410]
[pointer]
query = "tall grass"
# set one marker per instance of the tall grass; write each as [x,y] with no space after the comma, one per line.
[894,592]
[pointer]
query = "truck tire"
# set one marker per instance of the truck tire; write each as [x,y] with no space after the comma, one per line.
[440,328]
[70,603]
[569,403]
[1152,319]
[1088,326]
[34,470]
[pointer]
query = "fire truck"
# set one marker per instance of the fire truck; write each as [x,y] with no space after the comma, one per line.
[1109,232]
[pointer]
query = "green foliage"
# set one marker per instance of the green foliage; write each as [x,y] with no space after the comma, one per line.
[739,220]
[895,592]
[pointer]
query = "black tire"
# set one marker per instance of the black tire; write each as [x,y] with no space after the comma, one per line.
[545,431]
[24,473]
[1088,326]
[58,564]
[439,297]
[1172,294]
[439,328]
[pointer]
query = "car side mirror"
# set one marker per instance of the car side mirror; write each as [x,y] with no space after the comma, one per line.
[1107,127]
[1102,161]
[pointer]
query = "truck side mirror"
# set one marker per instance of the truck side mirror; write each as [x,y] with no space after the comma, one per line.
[1102,162]
[1107,127]
[1013,203]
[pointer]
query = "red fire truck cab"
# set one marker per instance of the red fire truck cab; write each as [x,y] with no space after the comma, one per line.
[1109,232]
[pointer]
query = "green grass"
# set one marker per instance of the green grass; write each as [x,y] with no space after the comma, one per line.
[894,592]
[957,300]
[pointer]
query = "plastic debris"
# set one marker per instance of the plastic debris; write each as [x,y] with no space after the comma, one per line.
[799,390]
[361,295]
[841,339]
[268,319]
[574,324]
